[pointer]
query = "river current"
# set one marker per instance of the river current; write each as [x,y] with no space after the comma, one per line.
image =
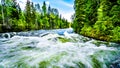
[60,48]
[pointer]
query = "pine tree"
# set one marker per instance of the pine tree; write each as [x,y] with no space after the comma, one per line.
[33,16]
[44,8]
[49,16]
[37,7]
[15,10]
[28,14]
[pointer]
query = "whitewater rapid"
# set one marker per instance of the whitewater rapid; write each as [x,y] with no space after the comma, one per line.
[55,49]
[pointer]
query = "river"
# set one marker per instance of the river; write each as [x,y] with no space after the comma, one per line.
[60,48]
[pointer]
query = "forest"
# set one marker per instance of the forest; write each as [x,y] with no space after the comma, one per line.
[33,17]
[39,36]
[99,19]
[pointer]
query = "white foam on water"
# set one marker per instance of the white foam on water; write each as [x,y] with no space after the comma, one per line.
[33,50]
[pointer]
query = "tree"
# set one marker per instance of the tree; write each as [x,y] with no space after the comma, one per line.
[12,18]
[49,10]
[15,10]
[33,16]
[37,7]
[79,6]
[44,8]
[97,18]
[2,9]
[28,14]
[55,11]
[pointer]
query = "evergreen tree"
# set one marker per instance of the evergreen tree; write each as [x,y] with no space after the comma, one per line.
[37,7]
[98,19]
[28,14]
[33,16]
[12,18]
[44,8]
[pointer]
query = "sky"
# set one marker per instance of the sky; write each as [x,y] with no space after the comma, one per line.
[65,7]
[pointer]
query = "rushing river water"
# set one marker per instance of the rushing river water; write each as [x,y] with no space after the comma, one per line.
[56,49]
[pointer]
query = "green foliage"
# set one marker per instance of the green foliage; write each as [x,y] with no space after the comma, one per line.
[99,19]
[116,34]
[44,8]
[34,17]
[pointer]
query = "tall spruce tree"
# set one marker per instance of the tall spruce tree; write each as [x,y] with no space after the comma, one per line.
[44,8]
[28,14]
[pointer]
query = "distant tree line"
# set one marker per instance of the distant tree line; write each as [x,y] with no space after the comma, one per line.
[33,17]
[98,19]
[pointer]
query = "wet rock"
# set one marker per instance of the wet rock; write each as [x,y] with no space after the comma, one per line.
[7,35]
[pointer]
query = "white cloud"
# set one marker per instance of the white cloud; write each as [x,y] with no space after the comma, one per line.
[67,15]
[48,3]
[67,4]
[62,2]
[22,3]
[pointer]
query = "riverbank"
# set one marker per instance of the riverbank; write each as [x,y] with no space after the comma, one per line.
[108,35]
